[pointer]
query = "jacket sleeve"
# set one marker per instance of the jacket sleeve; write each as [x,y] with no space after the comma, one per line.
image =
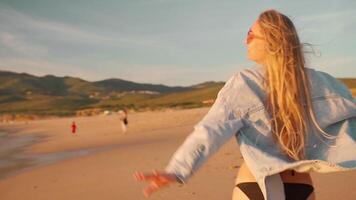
[217,127]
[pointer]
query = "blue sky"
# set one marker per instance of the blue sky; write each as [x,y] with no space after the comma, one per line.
[172,42]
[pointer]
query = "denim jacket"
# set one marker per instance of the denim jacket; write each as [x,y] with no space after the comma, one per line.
[240,111]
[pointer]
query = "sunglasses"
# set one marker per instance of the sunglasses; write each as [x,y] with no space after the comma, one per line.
[251,36]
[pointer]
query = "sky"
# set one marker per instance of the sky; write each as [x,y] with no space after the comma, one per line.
[171,42]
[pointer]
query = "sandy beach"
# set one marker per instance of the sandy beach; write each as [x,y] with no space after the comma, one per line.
[98,161]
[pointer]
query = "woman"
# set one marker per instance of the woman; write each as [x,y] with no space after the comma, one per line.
[287,119]
[123,119]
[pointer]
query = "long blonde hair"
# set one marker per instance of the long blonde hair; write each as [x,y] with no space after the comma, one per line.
[287,84]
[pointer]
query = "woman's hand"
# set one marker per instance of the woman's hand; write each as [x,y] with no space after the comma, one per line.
[157,180]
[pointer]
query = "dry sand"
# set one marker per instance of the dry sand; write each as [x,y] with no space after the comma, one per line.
[98,162]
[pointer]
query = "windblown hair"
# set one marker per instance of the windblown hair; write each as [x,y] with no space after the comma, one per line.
[287,84]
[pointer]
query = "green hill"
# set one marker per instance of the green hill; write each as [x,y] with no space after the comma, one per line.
[51,95]
[22,84]
[120,85]
[191,98]
[25,93]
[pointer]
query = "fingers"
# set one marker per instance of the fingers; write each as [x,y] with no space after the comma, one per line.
[155,175]
[139,176]
[155,172]
[157,180]
[153,187]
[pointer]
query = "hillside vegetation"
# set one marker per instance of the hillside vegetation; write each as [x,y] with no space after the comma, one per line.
[22,93]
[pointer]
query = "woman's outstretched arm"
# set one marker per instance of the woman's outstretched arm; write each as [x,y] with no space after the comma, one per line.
[221,123]
[217,127]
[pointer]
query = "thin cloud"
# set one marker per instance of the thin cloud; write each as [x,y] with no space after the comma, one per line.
[342,66]
[11,18]
[21,46]
[40,67]
[325,17]
[327,27]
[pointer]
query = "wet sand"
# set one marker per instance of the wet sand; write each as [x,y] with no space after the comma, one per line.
[12,159]
[98,162]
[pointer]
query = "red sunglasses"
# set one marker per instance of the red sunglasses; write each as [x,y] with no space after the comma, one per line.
[251,36]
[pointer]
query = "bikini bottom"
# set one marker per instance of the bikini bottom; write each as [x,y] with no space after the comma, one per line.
[293,191]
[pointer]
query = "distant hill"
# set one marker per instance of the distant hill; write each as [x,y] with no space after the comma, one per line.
[110,85]
[52,95]
[16,83]
[205,84]
[47,95]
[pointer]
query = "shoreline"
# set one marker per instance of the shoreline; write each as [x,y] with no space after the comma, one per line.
[18,160]
[12,152]
[12,118]
[19,152]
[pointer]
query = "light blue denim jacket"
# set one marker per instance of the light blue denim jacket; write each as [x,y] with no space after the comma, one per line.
[239,111]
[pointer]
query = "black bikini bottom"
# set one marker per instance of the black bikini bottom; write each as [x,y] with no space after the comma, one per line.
[293,191]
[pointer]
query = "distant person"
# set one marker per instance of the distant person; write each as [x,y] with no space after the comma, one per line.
[74,127]
[123,119]
[288,119]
